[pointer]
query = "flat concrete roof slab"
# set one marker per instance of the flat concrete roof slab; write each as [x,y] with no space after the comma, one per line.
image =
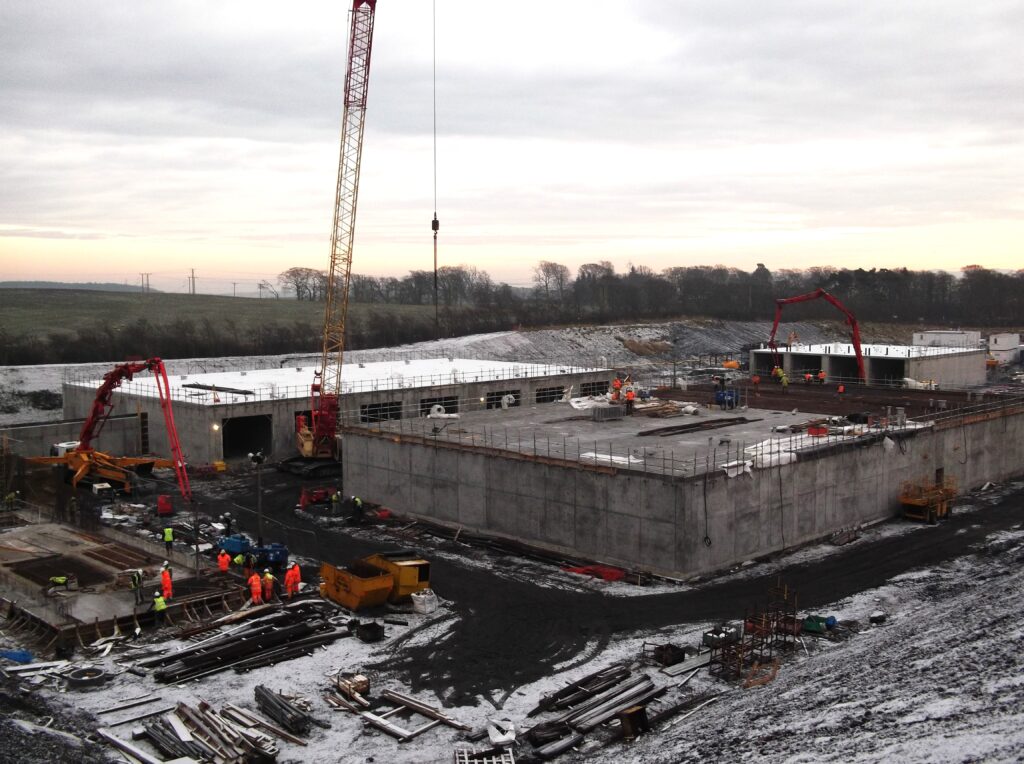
[294,382]
[559,431]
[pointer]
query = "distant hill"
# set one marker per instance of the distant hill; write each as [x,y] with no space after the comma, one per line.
[93,285]
[62,325]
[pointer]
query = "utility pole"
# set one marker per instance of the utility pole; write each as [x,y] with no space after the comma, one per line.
[233,285]
[144,280]
[257,458]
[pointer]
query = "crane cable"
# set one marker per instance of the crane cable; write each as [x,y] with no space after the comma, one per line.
[435,224]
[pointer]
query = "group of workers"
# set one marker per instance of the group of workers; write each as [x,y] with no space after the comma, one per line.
[264,588]
[780,376]
[623,390]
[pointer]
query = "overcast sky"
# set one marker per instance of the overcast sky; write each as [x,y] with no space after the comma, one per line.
[160,137]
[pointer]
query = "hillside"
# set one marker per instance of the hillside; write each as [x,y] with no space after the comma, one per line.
[31,393]
[41,311]
[40,326]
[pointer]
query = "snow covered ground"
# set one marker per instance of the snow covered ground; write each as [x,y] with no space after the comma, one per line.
[580,346]
[941,680]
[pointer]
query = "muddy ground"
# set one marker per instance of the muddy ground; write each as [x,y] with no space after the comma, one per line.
[511,632]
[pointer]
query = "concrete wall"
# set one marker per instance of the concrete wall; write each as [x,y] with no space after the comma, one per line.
[651,522]
[120,436]
[201,443]
[947,338]
[951,370]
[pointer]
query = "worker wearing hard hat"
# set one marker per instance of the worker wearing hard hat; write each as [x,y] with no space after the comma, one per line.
[256,588]
[135,584]
[159,608]
[292,579]
[268,585]
[167,580]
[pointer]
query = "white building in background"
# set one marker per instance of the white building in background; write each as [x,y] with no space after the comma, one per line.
[947,338]
[1004,347]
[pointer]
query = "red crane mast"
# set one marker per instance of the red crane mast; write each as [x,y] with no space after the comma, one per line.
[318,438]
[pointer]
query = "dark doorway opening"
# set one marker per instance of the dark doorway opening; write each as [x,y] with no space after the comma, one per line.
[246,434]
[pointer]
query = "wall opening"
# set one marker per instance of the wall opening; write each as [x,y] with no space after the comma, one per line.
[594,388]
[494,398]
[550,394]
[450,403]
[380,412]
[886,371]
[843,368]
[244,434]
[804,364]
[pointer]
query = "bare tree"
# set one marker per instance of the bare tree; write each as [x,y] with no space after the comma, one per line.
[551,280]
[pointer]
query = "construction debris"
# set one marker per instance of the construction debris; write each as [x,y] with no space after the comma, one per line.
[406,704]
[283,710]
[296,630]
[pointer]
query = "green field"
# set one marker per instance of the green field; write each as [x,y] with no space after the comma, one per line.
[72,325]
[36,312]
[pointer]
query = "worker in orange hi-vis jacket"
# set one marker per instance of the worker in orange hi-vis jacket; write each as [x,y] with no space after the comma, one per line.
[223,560]
[292,579]
[256,588]
[166,582]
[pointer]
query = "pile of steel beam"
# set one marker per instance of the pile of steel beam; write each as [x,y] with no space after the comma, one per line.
[283,635]
[202,734]
[282,710]
[590,702]
[574,693]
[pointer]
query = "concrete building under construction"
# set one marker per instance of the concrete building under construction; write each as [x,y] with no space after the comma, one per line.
[224,416]
[951,366]
[499,449]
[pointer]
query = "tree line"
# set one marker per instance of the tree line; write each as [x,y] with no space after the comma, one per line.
[470,302]
[597,293]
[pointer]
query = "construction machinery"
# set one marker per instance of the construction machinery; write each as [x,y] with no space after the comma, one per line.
[316,434]
[85,464]
[374,580]
[927,501]
[851,321]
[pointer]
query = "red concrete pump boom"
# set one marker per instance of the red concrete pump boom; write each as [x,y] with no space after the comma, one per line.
[85,459]
[851,320]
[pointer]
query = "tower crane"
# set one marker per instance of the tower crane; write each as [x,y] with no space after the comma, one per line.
[851,321]
[317,436]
